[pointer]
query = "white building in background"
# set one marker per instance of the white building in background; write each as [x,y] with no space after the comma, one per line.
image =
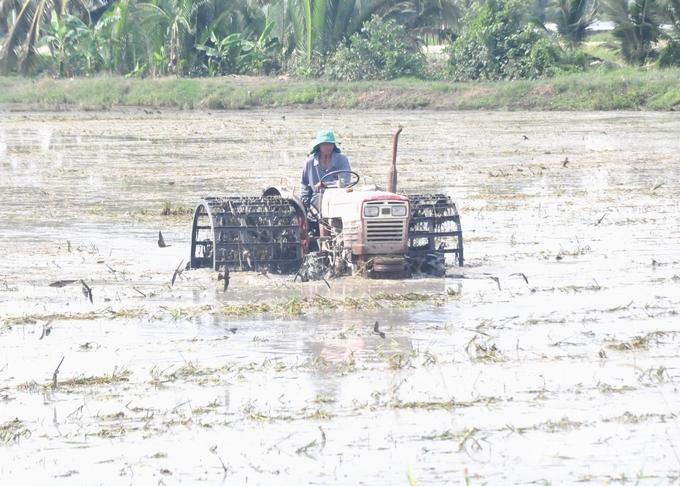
[598,26]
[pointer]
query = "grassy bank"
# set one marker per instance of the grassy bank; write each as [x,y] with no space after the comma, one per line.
[617,90]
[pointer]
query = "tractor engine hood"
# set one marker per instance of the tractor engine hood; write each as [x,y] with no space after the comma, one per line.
[373,223]
[339,203]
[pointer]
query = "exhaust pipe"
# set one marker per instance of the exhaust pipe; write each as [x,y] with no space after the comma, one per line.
[392,175]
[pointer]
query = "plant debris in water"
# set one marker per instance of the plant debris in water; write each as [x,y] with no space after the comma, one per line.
[572,342]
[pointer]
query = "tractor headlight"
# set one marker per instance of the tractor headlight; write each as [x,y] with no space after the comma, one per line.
[371,211]
[399,211]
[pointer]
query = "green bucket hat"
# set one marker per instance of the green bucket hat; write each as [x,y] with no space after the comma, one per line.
[324,136]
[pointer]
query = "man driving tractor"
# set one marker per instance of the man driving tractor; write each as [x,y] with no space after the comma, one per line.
[370,231]
[324,158]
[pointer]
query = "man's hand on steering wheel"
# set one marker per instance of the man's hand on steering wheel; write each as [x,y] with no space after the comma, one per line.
[354,179]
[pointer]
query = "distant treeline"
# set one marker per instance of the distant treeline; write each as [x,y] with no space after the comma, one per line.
[336,40]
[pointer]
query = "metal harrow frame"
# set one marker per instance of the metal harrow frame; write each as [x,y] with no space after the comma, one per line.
[434,227]
[247,233]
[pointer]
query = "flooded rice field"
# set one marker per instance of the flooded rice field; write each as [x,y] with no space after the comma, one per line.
[551,357]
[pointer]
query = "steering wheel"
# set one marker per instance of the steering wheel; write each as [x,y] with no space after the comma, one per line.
[354,177]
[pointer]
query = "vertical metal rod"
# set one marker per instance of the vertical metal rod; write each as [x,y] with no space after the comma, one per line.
[392,175]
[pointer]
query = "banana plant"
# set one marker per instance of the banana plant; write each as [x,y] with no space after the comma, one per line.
[19,46]
[256,54]
[122,42]
[62,36]
[224,56]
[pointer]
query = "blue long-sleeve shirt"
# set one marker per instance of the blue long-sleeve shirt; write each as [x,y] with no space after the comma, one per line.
[313,172]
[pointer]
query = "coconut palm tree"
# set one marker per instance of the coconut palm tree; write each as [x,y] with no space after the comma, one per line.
[319,25]
[670,54]
[637,29]
[6,9]
[429,18]
[176,20]
[671,11]
[572,17]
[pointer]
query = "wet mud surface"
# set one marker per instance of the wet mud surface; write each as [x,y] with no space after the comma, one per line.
[551,357]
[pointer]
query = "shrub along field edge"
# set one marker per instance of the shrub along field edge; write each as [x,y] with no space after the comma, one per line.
[615,90]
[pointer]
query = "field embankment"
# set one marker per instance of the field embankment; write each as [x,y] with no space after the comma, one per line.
[617,90]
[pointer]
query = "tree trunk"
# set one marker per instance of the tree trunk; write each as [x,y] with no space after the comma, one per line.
[173,50]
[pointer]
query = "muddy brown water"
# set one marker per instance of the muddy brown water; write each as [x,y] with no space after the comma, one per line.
[569,377]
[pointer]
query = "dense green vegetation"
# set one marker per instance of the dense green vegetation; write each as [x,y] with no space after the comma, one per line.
[496,43]
[625,89]
[331,39]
